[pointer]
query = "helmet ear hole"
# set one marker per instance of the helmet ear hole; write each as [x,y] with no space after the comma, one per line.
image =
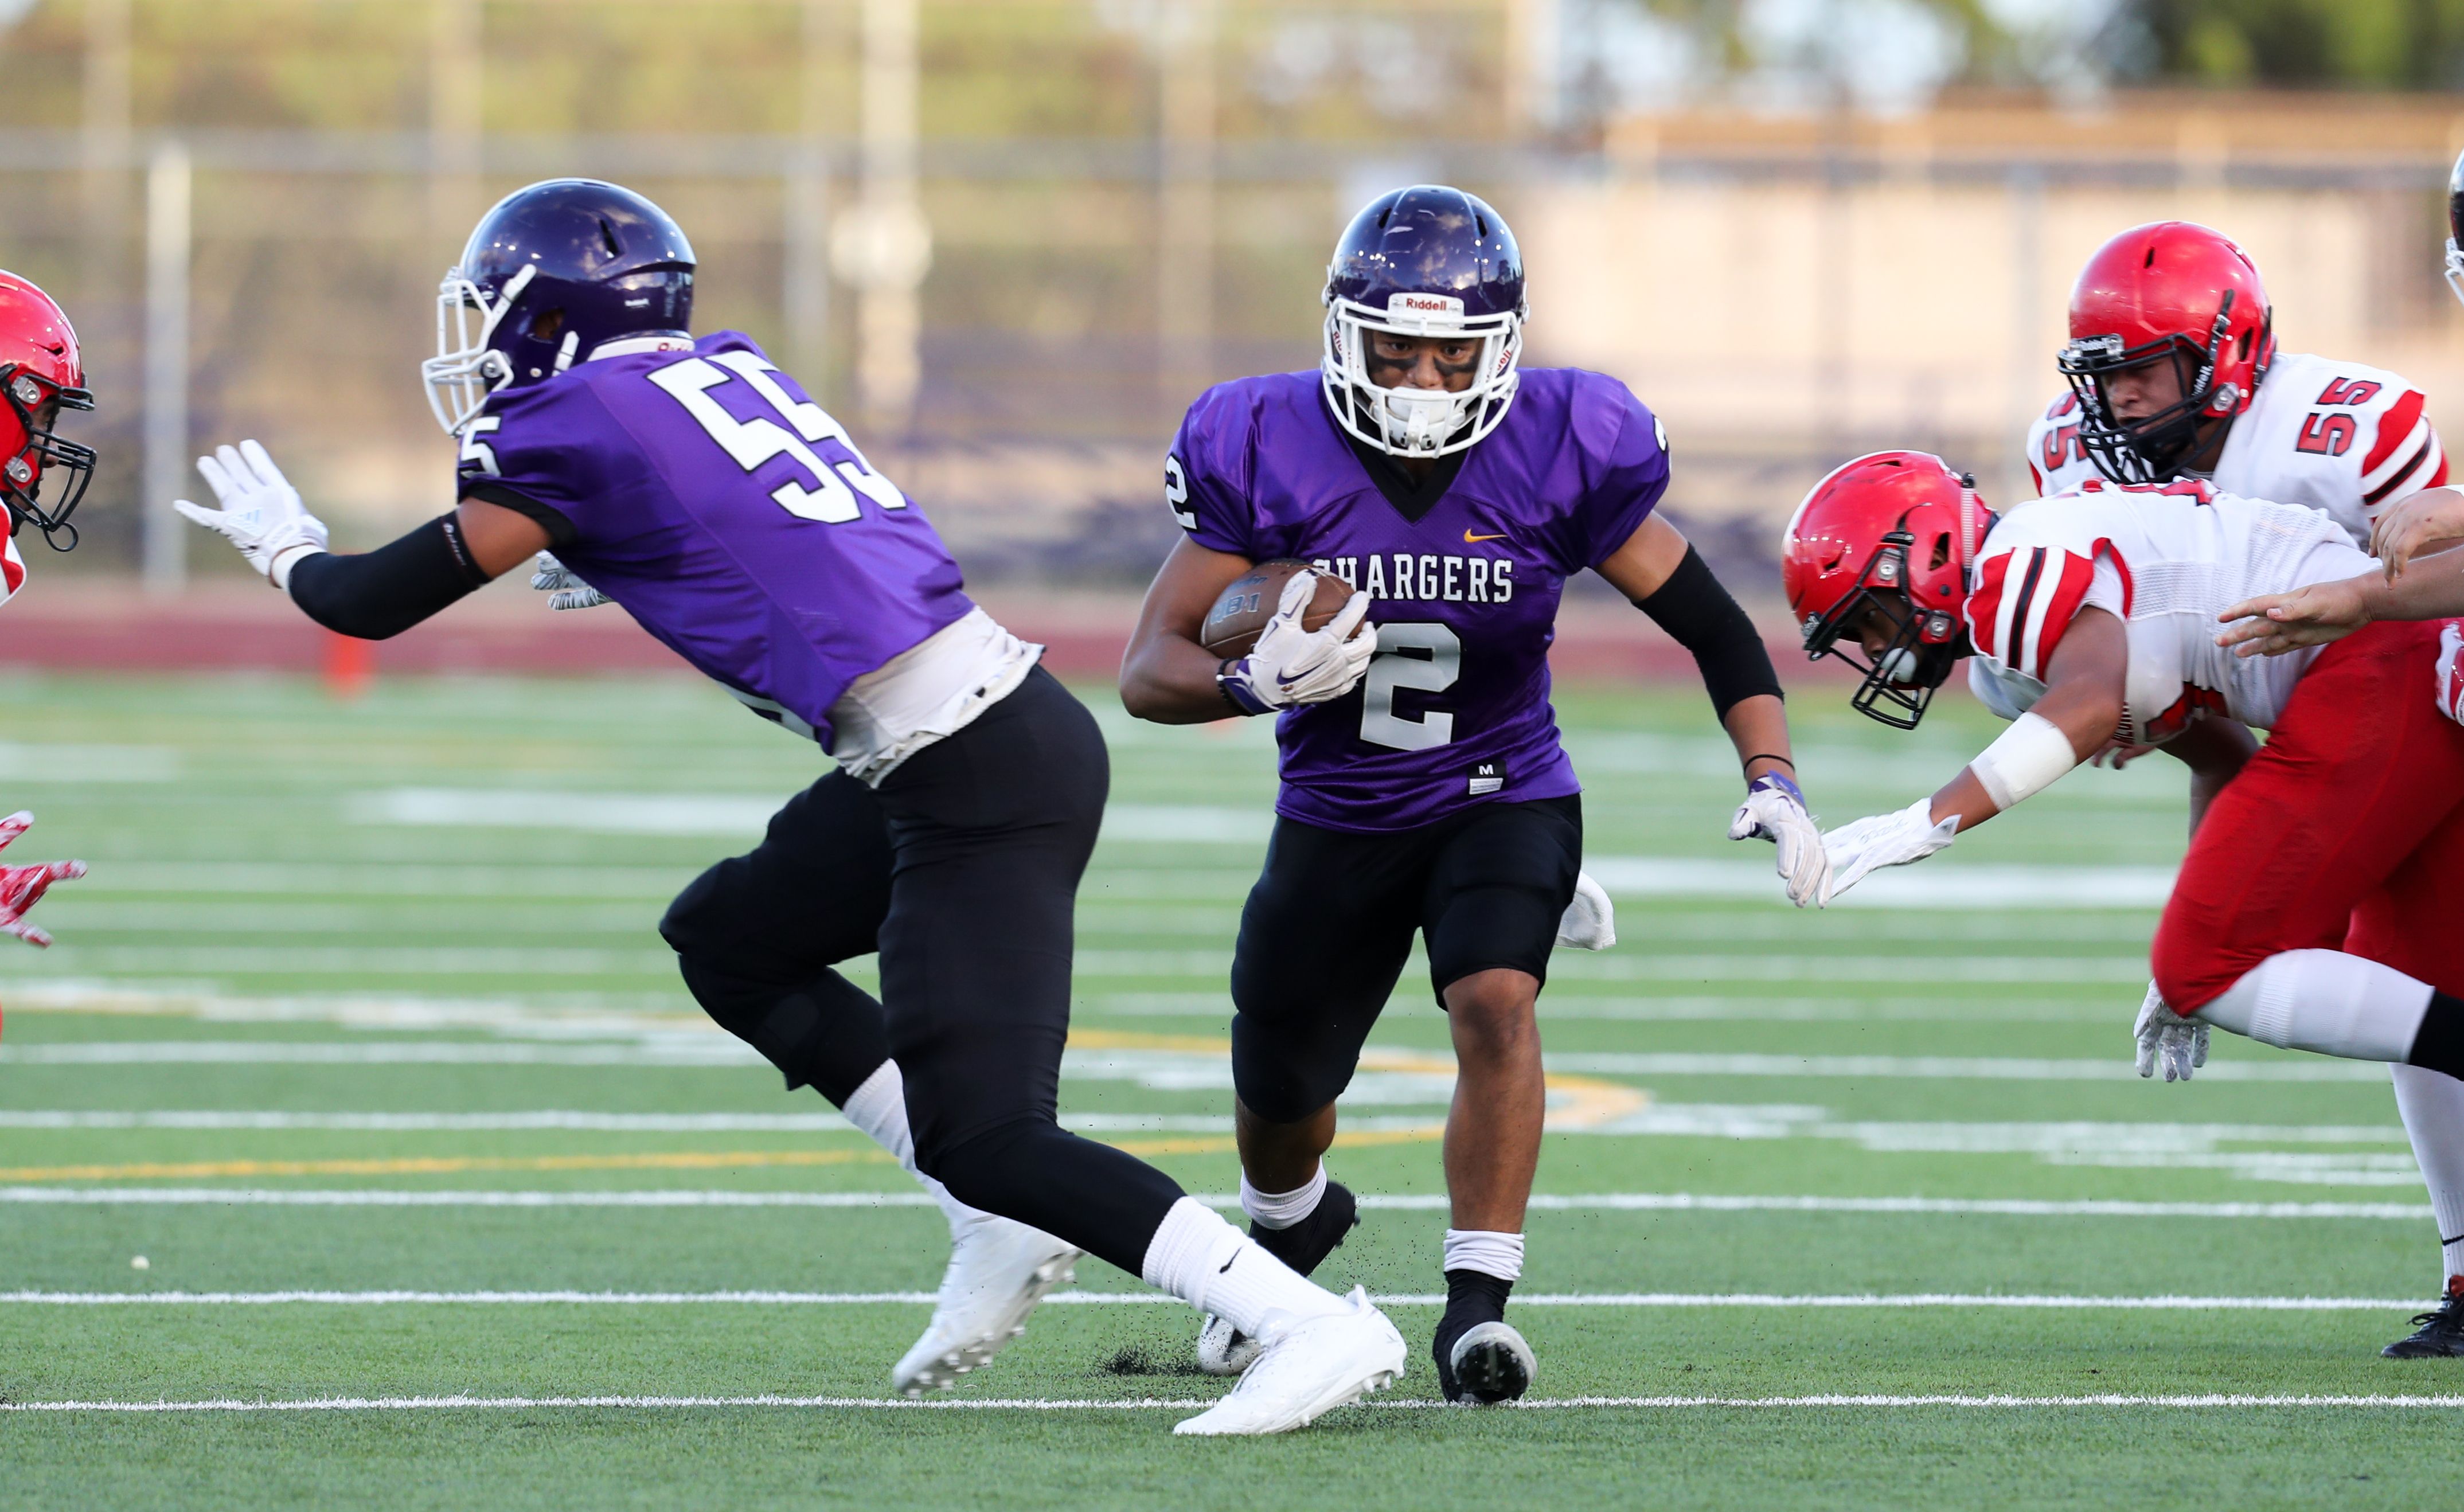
[1941,552]
[547,326]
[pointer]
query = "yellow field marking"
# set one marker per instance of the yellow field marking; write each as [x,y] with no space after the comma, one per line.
[447,1165]
[1578,1101]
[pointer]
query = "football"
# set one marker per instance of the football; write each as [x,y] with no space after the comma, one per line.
[1241,614]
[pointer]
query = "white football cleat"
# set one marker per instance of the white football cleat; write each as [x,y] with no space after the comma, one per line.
[1223,1350]
[1308,1368]
[999,1271]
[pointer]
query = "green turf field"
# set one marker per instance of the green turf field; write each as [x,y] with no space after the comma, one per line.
[363,1001]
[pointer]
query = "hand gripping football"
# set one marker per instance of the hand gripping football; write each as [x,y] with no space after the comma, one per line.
[1232,627]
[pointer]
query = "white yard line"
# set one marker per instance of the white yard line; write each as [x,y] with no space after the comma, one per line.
[1419,1202]
[1108,1299]
[1030,1404]
[700,1048]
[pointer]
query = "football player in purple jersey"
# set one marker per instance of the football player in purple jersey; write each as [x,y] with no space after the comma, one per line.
[694,484]
[1423,785]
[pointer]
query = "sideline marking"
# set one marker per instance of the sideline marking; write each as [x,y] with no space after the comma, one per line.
[1141,1299]
[446,1165]
[1029,1404]
[1413,1202]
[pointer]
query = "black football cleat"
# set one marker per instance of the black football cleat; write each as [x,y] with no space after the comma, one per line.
[1306,1245]
[2437,1334]
[1481,1358]
[1225,1350]
[1487,1363]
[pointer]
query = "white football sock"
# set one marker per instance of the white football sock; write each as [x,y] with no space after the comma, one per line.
[878,1108]
[2432,1105]
[2325,1001]
[1281,1210]
[1214,1267]
[1486,1251]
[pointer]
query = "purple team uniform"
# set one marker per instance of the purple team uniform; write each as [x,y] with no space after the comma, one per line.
[727,513]
[1454,711]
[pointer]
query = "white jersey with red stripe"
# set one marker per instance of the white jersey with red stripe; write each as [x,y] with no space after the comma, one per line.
[2343,437]
[2166,559]
[13,569]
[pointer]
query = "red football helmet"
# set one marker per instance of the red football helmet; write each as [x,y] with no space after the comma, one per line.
[2167,290]
[1889,535]
[40,375]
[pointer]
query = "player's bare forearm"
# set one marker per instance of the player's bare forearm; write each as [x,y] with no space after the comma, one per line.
[2215,751]
[2082,701]
[2270,625]
[1758,728]
[1166,676]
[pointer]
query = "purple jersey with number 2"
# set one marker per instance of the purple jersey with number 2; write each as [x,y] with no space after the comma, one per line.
[1455,708]
[728,514]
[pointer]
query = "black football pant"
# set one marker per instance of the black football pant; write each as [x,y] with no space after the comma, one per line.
[962,870]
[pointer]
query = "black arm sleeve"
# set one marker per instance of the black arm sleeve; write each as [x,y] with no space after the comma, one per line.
[1699,615]
[386,591]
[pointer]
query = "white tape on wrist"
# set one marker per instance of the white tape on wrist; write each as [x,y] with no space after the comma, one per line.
[2028,758]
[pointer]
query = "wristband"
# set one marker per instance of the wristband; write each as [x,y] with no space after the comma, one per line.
[1236,692]
[2025,760]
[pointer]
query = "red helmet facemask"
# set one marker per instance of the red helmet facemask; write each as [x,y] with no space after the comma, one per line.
[40,375]
[2168,291]
[1890,537]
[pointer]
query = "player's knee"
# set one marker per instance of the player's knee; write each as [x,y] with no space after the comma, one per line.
[1493,1009]
[1284,1077]
[698,923]
[2192,966]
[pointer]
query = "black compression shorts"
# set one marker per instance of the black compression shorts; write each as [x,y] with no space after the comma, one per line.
[1328,927]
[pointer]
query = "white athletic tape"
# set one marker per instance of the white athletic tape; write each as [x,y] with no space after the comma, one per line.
[1108,1299]
[2024,760]
[1030,1404]
[1412,1202]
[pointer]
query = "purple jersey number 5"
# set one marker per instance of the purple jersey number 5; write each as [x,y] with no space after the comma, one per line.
[753,442]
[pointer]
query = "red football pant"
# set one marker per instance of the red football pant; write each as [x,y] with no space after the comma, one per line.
[2347,830]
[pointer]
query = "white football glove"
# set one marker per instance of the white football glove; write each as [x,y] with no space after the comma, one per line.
[1291,665]
[1774,810]
[1883,840]
[1590,921]
[2165,1036]
[260,514]
[564,590]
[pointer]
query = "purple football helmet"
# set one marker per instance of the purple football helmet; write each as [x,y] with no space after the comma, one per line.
[1423,261]
[560,272]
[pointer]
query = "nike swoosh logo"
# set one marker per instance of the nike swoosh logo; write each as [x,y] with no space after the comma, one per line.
[1228,1264]
[1470,540]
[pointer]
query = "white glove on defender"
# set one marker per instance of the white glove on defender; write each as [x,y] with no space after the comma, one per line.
[260,514]
[2164,1035]
[1883,839]
[1291,665]
[1774,810]
[565,591]
[1590,921]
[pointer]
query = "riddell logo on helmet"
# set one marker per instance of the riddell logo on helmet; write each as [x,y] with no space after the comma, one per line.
[1445,304]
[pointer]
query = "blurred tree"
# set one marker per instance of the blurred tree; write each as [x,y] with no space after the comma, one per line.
[2376,44]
